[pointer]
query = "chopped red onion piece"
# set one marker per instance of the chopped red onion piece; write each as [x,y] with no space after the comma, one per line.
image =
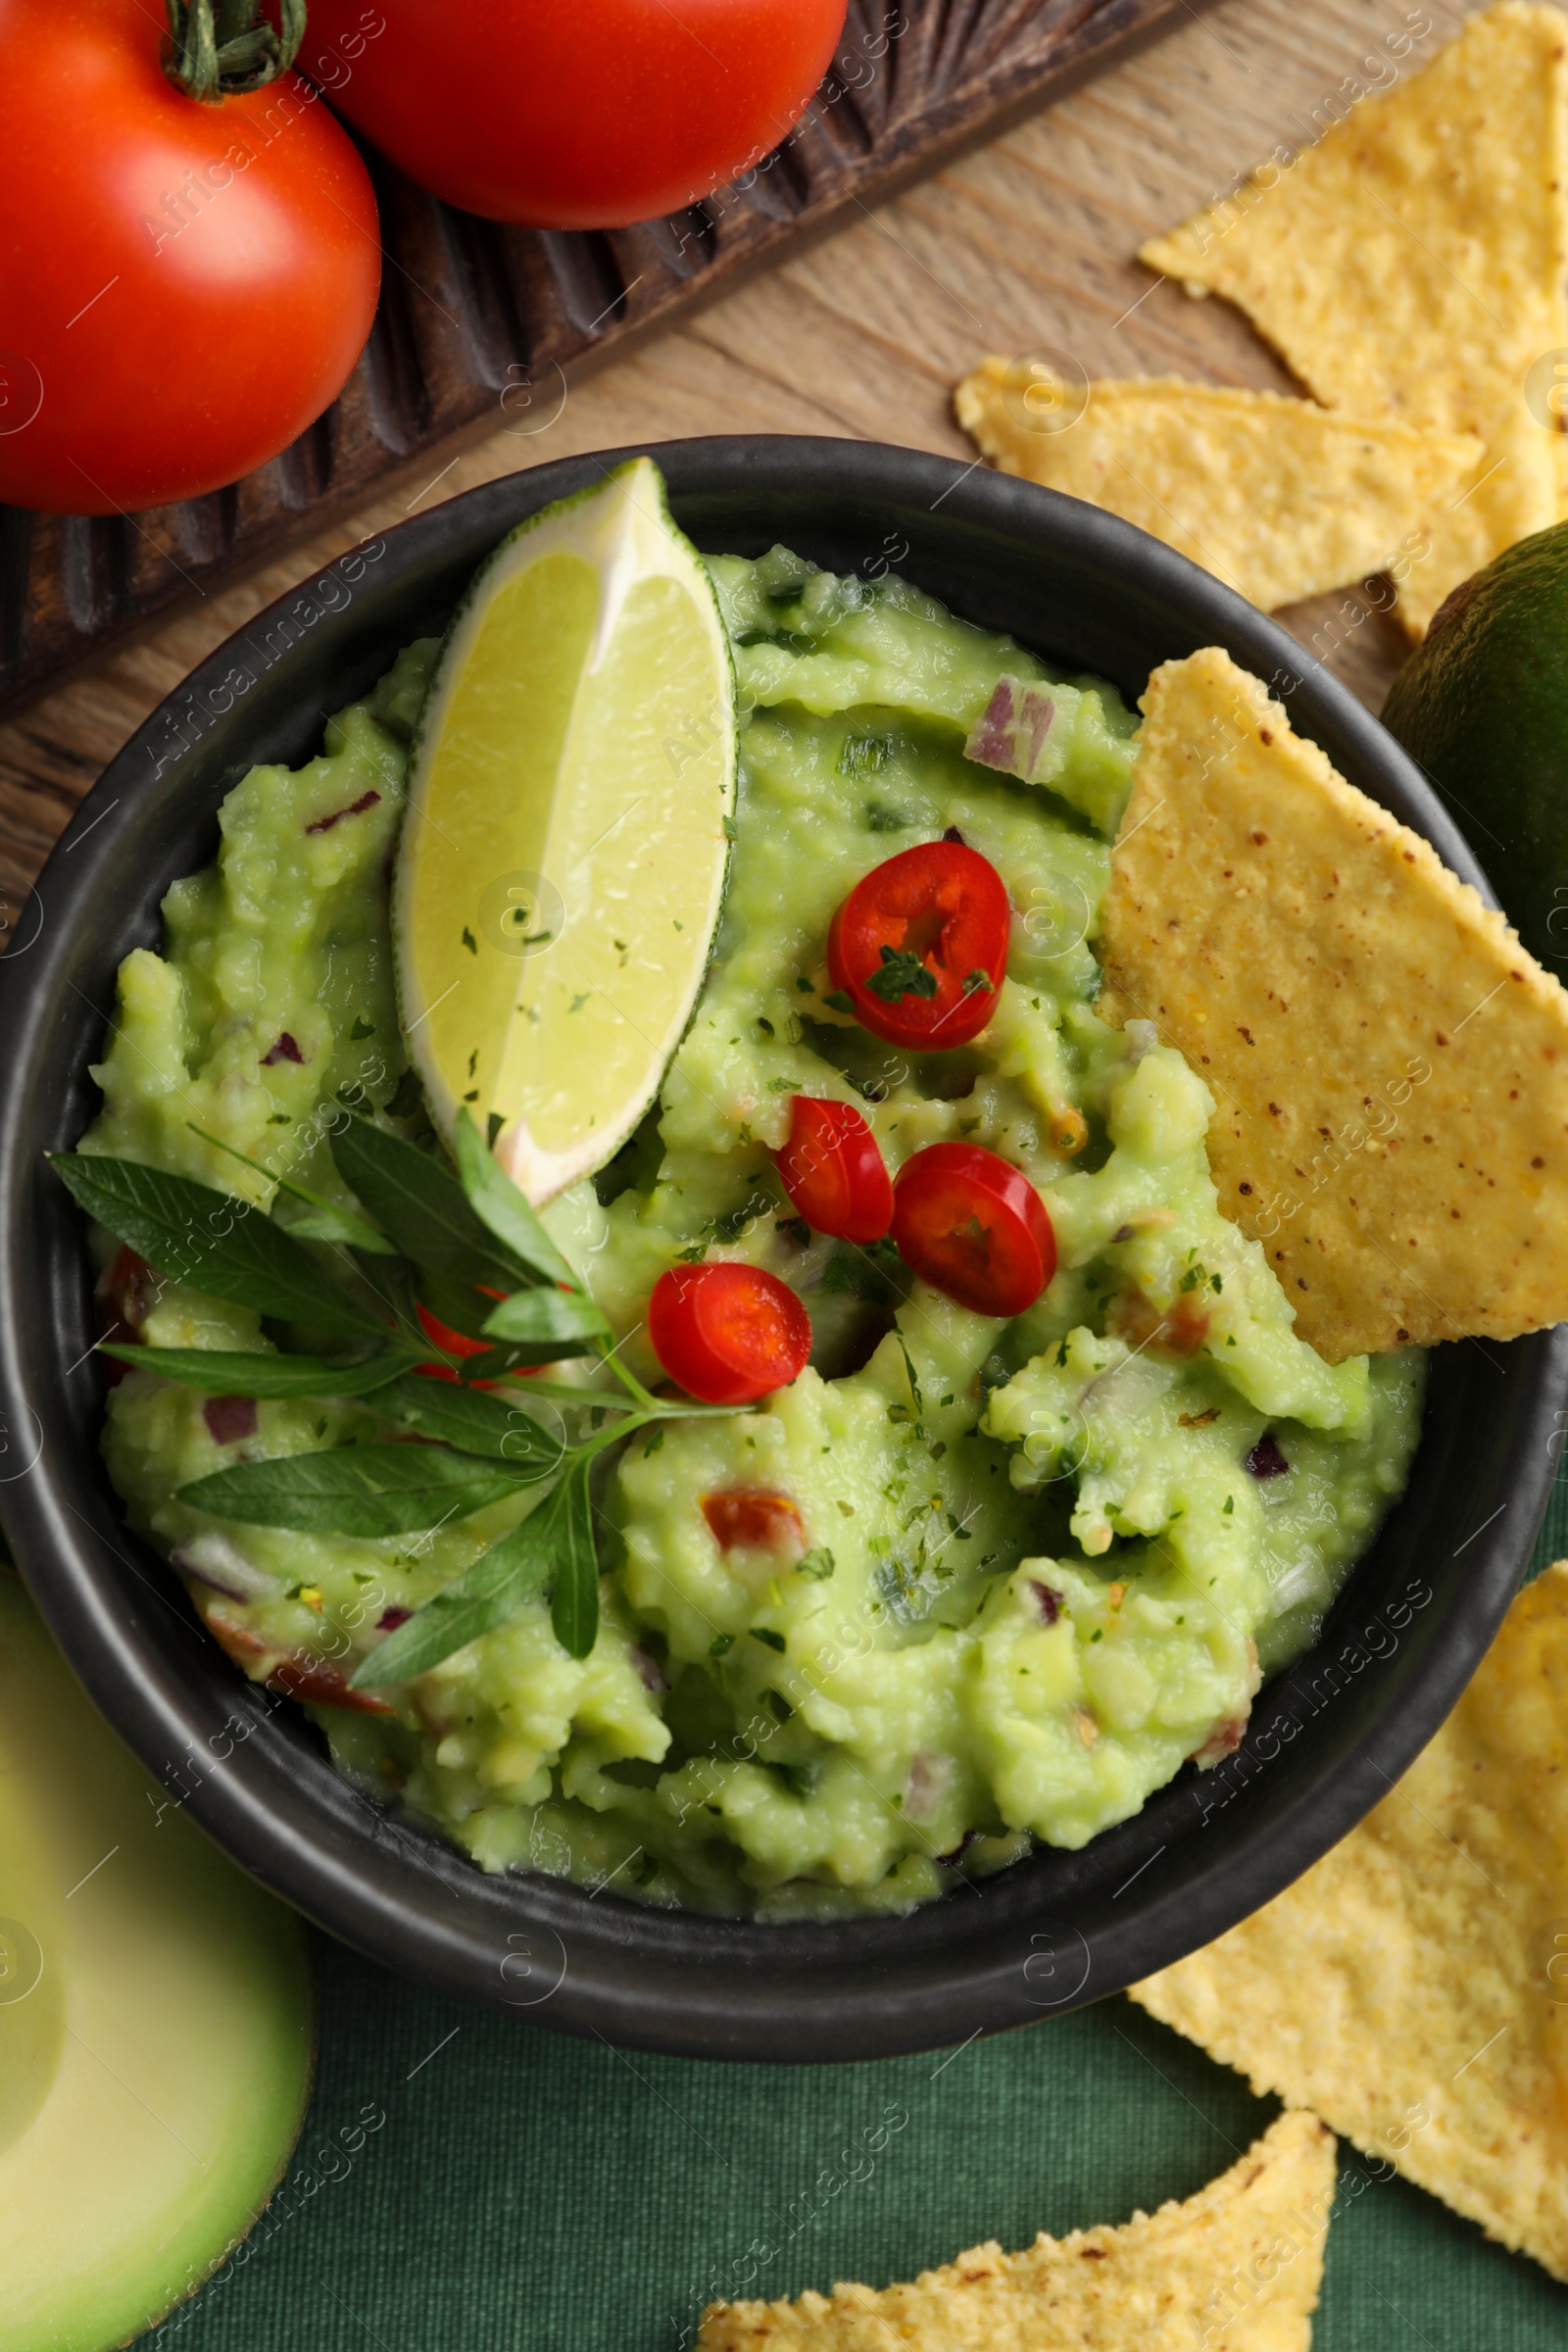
[1013,731]
[650,1672]
[1222,1741]
[229,1419]
[213,1560]
[324,824]
[926,1786]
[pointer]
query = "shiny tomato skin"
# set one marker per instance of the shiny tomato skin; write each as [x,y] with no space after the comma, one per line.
[834,1173]
[944,903]
[728,1333]
[973,1227]
[183,289]
[571,118]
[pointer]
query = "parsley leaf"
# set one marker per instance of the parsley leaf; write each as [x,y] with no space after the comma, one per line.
[902,974]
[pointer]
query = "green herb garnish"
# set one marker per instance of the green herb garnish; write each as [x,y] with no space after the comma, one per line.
[422,1232]
[902,974]
[405,1100]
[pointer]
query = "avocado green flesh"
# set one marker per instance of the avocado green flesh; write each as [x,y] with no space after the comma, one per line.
[155,2034]
[1038,1574]
[1483,708]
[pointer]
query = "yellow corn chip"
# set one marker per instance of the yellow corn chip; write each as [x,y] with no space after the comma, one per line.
[1413,265]
[1515,494]
[1279,499]
[1390,1066]
[1235,2269]
[1413,1986]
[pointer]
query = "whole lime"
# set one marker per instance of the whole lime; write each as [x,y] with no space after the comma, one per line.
[1483,708]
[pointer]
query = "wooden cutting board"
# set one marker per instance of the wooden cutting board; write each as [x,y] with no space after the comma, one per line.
[1027,243]
[481,324]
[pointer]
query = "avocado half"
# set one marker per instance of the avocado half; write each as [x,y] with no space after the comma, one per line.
[155,2025]
[1482,706]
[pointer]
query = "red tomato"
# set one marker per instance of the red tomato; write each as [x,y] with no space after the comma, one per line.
[972,1226]
[920,945]
[833,1171]
[728,1333]
[750,1519]
[573,118]
[294,1673]
[183,289]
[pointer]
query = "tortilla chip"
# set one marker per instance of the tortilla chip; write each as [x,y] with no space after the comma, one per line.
[1278,498]
[1235,2269]
[1413,264]
[1390,1066]
[1413,1987]
[1516,494]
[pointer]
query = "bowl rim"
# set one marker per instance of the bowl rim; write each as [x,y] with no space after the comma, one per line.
[676,1982]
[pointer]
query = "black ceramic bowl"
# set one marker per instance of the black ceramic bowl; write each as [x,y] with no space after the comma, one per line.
[1059,1929]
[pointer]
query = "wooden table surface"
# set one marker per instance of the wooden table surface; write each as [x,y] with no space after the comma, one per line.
[1026,244]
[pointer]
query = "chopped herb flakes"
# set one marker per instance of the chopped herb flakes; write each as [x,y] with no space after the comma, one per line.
[902,974]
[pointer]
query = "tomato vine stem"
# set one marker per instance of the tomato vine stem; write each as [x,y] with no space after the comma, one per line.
[220,49]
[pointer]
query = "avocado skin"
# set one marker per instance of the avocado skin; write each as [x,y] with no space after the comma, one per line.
[1483,708]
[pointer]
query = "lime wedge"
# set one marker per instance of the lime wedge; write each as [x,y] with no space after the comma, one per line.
[560,871]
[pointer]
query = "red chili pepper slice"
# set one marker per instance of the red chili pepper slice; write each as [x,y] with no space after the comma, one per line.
[920,945]
[833,1171]
[974,1227]
[455,1343]
[450,1343]
[728,1333]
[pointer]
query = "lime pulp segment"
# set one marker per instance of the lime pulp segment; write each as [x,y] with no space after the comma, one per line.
[562,868]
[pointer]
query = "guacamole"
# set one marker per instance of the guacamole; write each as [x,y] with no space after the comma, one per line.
[965,1583]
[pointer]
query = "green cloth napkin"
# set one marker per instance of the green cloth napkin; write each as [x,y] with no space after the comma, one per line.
[531,2193]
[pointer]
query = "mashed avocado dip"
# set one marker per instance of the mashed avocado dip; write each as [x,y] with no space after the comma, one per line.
[965,1582]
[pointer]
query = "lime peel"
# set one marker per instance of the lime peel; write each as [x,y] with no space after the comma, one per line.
[562,868]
